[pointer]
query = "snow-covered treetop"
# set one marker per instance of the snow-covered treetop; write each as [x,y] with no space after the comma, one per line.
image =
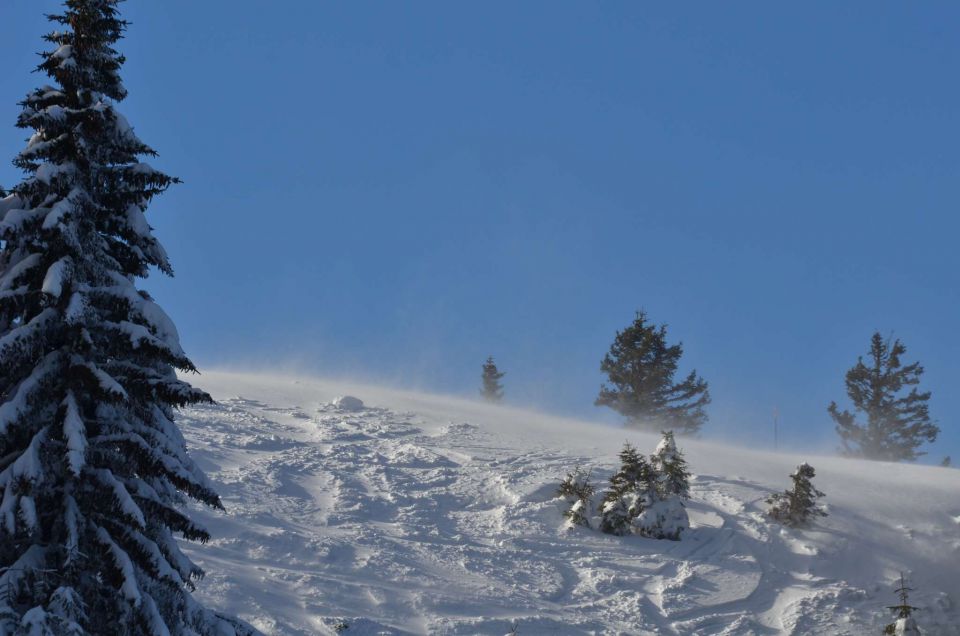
[84,57]
[667,445]
[87,188]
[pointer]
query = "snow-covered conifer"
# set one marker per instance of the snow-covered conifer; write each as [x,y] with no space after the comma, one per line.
[673,478]
[665,515]
[615,514]
[797,506]
[663,519]
[578,491]
[94,472]
[904,625]
[632,488]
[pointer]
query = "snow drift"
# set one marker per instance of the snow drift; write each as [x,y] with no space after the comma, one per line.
[426,514]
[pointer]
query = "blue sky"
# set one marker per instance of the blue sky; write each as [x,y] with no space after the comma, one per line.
[397,190]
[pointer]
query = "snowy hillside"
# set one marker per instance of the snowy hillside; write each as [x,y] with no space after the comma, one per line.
[425,514]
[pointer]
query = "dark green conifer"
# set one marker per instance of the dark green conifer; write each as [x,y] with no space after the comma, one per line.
[578,491]
[640,368]
[797,506]
[492,390]
[631,489]
[897,423]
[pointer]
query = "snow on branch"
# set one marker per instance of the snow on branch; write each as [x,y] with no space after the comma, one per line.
[14,272]
[75,433]
[14,408]
[121,559]
[125,502]
[107,383]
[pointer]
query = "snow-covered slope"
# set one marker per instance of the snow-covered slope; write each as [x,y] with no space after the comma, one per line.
[426,514]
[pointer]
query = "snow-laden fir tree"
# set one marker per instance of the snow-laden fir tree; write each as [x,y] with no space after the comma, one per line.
[673,478]
[797,506]
[492,389]
[632,488]
[577,490]
[897,420]
[93,470]
[904,625]
[665,517]
[640,368]
[615,516]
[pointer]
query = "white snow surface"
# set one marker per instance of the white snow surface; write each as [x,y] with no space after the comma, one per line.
[429,514]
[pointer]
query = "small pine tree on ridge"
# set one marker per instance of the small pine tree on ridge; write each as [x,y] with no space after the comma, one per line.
[492,389]
[897,423]
[640,369]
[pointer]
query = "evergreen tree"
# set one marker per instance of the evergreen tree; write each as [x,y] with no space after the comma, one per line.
[578,491]
[665,515]
[631,490]
[492,390]
[896,423]
[640,367]
[673,478]
[797,506]
[93,470]
[664,518]
[615,516]
[946,462]
[904,625]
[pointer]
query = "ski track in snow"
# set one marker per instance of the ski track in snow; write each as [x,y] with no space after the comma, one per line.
[398,524]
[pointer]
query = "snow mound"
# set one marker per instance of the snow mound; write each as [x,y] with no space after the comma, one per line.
[347,403]
[438,516]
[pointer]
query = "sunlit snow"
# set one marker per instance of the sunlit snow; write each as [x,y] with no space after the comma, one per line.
[425,514]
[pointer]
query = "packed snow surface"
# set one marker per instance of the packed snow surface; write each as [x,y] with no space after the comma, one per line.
[424,514]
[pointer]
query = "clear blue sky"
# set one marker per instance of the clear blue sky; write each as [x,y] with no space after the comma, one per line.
[397,190]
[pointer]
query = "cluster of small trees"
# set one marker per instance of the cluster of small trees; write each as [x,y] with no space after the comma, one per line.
[641,367]
[644,496]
